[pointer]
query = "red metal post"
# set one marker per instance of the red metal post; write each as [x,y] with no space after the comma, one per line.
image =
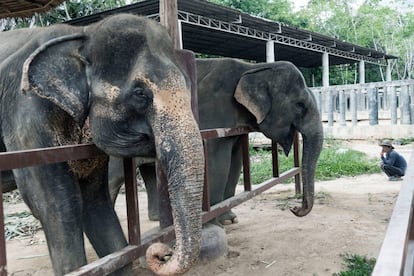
[275,159]
[246,162]
[206,188]
[131,193]
[3,258]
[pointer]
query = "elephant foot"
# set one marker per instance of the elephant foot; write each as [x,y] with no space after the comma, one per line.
[228,218]
[153,216]
[213,242]
[153,212]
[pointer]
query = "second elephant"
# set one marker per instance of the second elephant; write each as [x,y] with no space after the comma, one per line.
[271,98]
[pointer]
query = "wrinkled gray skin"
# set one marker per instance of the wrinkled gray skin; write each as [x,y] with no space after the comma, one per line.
[116,83]
[269,97]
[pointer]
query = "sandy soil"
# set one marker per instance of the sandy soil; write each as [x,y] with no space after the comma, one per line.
[350,216]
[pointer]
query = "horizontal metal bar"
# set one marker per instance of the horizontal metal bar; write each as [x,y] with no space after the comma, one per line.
[239,198]
[126,255]
[34,157]
[224,132]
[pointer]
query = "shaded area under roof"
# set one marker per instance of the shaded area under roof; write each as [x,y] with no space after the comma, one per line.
[25,8]
[209,28]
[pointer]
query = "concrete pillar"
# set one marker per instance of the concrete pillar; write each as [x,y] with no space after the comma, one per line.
[319,101]
[388,71]
[373,106]
[342,108]
[353,107]
[393,105]
[405,105]
[325,69]
[270,51]
[362,71]
[330,108]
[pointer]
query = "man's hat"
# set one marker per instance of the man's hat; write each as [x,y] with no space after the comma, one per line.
[386,143]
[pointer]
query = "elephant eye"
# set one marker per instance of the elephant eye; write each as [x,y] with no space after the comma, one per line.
[141,97]
[301,108]
[139,91]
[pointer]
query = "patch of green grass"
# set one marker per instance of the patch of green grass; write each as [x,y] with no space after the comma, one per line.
[406,141]
[333,162]
[357,265]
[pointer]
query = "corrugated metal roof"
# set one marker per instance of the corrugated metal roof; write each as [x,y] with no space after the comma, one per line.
[303,48]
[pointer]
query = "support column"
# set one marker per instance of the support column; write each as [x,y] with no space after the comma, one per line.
[169,19]
[330,108]
[325,69]
[270,51]
[342,108]
[388,71]
[353,107]
[405,105]
[180,34]
[393,105]
[362,72]
[373,106]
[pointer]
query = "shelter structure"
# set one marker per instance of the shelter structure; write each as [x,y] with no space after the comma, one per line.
[24,8]
[208,28]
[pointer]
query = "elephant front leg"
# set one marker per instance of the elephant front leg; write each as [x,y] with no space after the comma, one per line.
[54,198]
[219,165]
[148,174]
[100,222]
[236,162]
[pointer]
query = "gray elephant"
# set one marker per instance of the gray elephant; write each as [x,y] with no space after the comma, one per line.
[116,83]
[271,98]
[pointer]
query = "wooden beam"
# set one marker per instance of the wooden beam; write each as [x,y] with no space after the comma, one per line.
[169,19]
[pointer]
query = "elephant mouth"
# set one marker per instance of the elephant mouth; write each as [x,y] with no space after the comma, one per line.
[282,135]
[131,146]
[124,140]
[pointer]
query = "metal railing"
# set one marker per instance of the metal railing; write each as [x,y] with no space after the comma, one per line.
[396,256]
[137,243]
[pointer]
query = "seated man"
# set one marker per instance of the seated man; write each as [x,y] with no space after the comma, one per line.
[393,164]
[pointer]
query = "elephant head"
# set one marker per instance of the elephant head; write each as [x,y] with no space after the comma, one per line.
[277,96]
[119,79]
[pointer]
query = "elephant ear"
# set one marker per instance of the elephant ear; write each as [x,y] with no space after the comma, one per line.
[56,71]
[252,93]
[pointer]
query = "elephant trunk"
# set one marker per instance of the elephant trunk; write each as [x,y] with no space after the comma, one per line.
[180,151]
[312,146]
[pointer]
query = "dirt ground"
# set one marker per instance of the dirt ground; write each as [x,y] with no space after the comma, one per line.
[350,216]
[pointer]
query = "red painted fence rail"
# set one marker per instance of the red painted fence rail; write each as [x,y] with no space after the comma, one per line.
[137,244]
